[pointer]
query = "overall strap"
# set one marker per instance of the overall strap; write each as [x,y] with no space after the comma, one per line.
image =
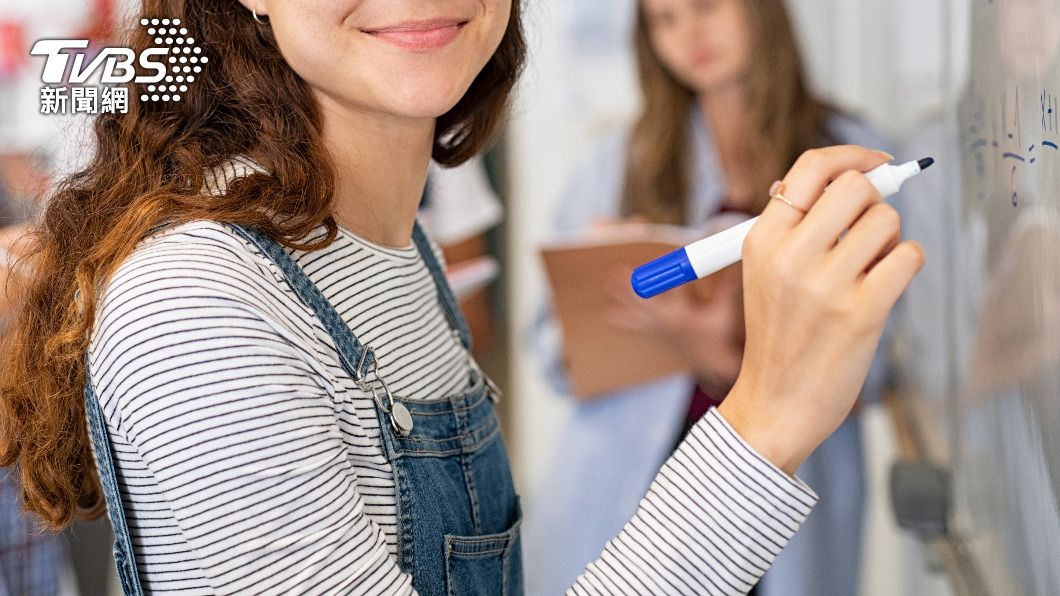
[445,293]
[124,555]
[350,351]
[353,352]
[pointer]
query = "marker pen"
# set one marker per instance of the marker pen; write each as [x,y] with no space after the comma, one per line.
[714,253]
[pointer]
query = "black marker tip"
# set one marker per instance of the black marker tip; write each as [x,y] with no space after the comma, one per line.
[925,163]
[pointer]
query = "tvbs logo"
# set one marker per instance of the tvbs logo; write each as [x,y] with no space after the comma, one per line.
[168,67]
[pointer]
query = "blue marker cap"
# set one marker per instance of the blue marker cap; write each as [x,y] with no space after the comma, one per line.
[662,274]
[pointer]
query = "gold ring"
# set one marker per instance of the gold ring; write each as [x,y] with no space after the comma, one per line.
[779,196]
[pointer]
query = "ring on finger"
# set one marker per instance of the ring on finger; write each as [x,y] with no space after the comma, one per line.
[777,194]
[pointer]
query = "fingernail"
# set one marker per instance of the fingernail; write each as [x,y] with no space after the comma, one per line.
[773,189]
[919,248]
[884,155]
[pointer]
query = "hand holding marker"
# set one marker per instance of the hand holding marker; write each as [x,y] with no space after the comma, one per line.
[714,253]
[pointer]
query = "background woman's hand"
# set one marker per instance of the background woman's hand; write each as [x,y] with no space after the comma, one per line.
[816,305]
[703,322]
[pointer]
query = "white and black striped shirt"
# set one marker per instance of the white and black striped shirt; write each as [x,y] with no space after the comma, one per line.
[251,463]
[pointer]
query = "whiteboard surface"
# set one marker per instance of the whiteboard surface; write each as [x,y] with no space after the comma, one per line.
[979,333]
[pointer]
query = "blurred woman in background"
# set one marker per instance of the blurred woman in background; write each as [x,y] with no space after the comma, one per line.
[726,110]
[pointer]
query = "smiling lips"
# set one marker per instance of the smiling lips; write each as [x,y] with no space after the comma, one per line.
[420,35]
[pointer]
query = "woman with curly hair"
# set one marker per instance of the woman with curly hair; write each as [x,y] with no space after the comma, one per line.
[234,307]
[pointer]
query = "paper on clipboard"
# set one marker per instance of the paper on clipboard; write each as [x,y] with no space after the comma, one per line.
[601,357]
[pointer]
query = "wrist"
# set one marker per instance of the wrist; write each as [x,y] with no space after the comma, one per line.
[775,436]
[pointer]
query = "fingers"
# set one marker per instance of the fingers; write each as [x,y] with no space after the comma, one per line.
[845,200]
[892,275]
[807,179]
[626,319]
[626,311]
[874,235]
[623,311]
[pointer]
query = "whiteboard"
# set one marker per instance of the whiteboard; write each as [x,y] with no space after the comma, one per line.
[978,335]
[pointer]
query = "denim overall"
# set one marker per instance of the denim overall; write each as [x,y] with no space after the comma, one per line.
[458,513]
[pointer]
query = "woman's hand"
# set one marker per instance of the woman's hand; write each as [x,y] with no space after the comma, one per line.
[815,304]
[703,322]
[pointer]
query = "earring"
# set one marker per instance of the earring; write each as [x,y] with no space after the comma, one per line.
[257,19]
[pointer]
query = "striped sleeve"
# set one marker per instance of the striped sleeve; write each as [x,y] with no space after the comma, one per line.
[712,522]
[236,427]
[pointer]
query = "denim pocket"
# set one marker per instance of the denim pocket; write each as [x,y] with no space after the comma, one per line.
[487,564]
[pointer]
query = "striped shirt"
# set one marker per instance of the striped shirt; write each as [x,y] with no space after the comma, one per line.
[250,462]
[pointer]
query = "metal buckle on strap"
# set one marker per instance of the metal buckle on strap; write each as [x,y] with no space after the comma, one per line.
[492,389]
[358,376]
[400,417]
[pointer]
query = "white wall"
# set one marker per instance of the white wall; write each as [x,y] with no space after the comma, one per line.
[571,92]
[22,127]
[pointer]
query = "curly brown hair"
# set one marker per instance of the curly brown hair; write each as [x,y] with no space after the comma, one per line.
[147,170]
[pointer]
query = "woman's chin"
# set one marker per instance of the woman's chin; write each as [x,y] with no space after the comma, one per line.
[422,102]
